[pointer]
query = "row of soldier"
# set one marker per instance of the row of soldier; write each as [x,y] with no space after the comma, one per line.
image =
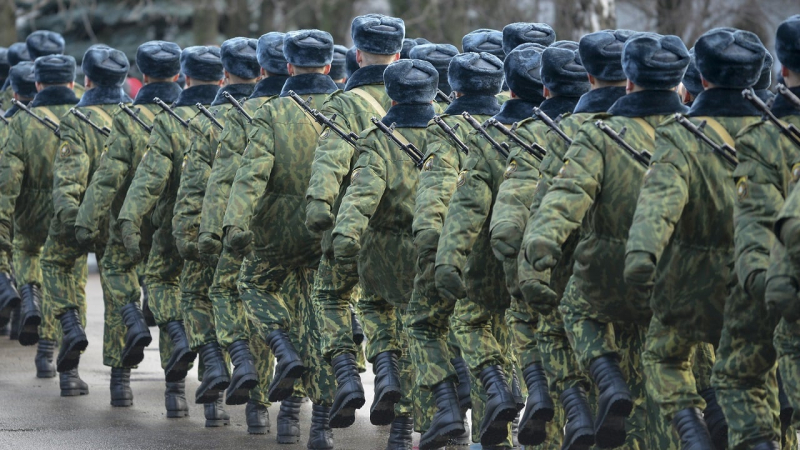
[584,243]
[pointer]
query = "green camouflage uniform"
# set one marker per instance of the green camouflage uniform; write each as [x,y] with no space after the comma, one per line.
[79,156]
[267,198]
[26,179]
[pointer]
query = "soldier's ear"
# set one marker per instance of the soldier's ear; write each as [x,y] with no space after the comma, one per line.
[784,71]
[327,69]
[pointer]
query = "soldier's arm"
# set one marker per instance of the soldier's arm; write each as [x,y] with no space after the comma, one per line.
[437,182]
[12,169]
[192,187]
[364,194]
[152,173]
[70,172]
[515,195]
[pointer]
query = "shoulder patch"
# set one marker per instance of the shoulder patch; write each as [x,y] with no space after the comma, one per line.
[741,188]
[563,170]
[796,172]
[185,160]
[510,169]
[428,164]
[355,175]
[462,178]
[64,151]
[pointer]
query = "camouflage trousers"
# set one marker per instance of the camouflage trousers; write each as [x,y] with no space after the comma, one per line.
[591,337]
[332,295]
[787,346]
[198,313]
[279,297]
[745,372]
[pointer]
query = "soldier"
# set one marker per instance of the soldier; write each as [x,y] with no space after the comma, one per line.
[489,41]
[381,196]
[43,43]
[378,40]
[265,213]
[159,62]
[519,33]
[692,85]
[601,304]
[682,248]
[17,53]
[154,188]
[26,202]
[351,62]
[224,294]
[76,161]
[338,67]
[439,55]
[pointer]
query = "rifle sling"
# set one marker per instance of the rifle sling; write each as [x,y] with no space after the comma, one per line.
[719,130]
[103,115]
[370,99]
[50,115]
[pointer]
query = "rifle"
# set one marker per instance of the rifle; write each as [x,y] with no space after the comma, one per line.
[323,120]
[727,152]
[238,106]
[451,131]
[553,126]
[210,116]
[171,112]
[47,122]
[104,131]
[793,99]
[443,97]
[536,150]
[501,148]
[642,157]
[409,149]
[788,130]
[135,116]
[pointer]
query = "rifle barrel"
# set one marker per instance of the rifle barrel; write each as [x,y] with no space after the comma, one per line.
[325,121]
[171,112]
[534,149]
[788,130]
[501,148]
[104,131]
[724,150]
[409,149]
[452,133]
[46,121]
[789,95]
[640,157]
[210,115]
[443,97]
[238,106]
[133,115]
[553,126]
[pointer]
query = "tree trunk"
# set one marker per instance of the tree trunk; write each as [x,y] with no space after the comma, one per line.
[8,18]
[574,18]
[205,23]
[237,19]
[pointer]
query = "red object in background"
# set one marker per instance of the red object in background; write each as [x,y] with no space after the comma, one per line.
[134,85]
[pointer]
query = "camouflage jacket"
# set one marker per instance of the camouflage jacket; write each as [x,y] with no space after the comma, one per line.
[198,161]
[268,193]
[599,182]
[684,216]
[26,165]
[155,184]
[232,142]
[79,156]
[124,150]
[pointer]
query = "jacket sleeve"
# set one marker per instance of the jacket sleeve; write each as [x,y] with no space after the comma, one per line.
[364,194]
[516,191]
[151,175]
[12,170]
[437,182]
[253,175]
[70,171]
[192,188]
[663,197]
[109,177]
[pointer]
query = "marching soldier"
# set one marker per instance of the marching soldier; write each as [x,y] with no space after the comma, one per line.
[17,53]
[439,55]
[43,43]
[338,71]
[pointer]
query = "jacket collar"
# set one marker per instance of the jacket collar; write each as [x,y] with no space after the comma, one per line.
[515,110]
[308,83]
[409,115]
[54,95]
[203,94]
[366,75]
[102,95]
[167,91]
[648,103]
[782,107]
[238,91]
[269,86]
[556,106]
[599,100]
[474,104]
[722,102]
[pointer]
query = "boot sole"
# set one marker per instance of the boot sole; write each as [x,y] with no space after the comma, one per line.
[216,423]
[121,403]
[441,439]
[532,430]
[135,354]
[180,414]
[610,428]
[211,393]
[74,392]
[72,356]
[257,430]
[178,370]
[47,374]
[282,387]
[584,442]
[497,429]
[288,439]
[29,334]
[345,415]
[382,410]
[240,394]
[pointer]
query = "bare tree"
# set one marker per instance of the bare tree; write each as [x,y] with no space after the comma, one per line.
[237,19]
[574,18]
[205,23]
[8,28]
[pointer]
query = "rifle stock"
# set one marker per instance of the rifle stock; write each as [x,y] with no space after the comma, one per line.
[46,121]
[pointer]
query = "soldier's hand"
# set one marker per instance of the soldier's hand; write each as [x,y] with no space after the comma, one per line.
[86,237]
[640,269]
[449,282]
[5,237]
[318,216]
[756,284]
[67,234]
[790,236]
[187,249]
[506,241]
[237,240]
[345,248]
[131,237]
[210,247]
[542,254]
[426,242]
[781,297]
[540,295]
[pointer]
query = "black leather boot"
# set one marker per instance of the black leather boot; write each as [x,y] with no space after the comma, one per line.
[289,366]
[500,407]
[31,314]
[257,418]
[400,434]
[387,388]
[16,323]
[516,390]
[137,338]
[71,384]
[349,391]
[447,421]
[244,377]
[182,355]
[5,330]
[786,410]
[767,446]
[121,393]
[73,341]
[462,439]
[148,314]
[289,421]
[216,416]
[9,298]
[614,401]
[44,359]
[692,430]
[175,400]
[539,408]
[320,436]
[464,385]
[215,375]
[715,420]
[579,430]
[358,332]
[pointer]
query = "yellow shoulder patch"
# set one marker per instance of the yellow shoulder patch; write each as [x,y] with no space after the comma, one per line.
[510,169]
[65,151]
[355,175]
[428,164]
[563,170]
[741,188]
[796,172]
[462,178]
